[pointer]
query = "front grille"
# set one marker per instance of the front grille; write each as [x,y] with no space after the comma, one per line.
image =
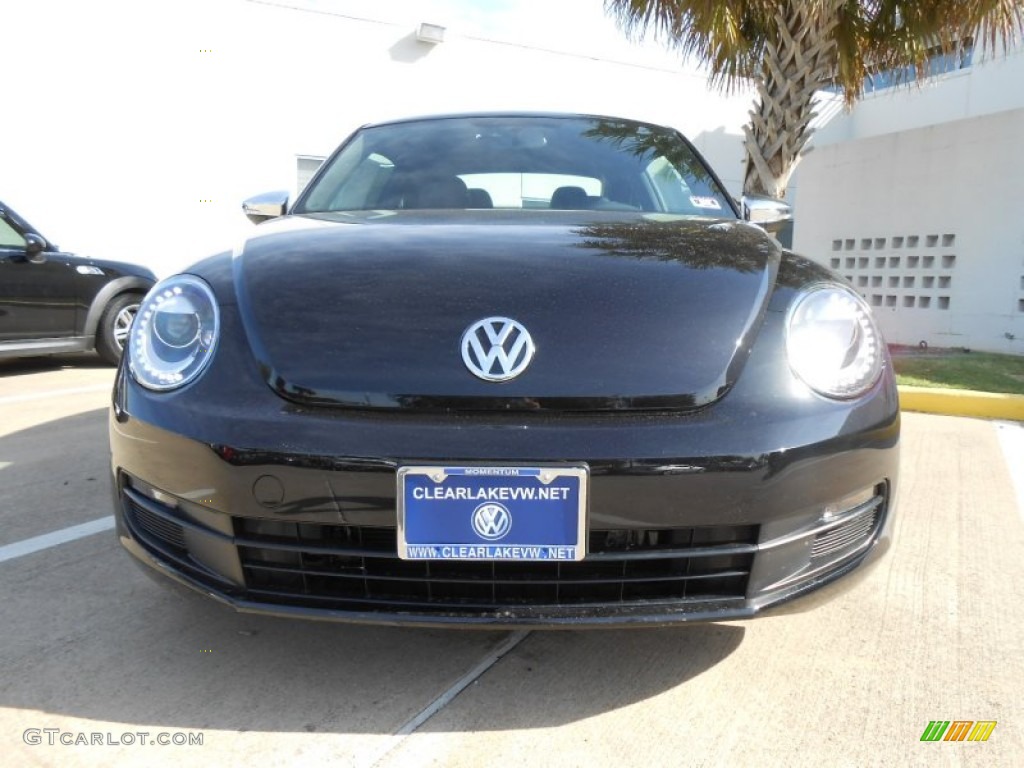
[335,566]
[356,568]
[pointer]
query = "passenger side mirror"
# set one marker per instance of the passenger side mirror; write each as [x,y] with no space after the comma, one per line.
[767,212]
[35,246]
[269,205]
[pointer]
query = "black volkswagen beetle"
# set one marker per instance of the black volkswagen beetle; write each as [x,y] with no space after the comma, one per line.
[512,369]
[54,302]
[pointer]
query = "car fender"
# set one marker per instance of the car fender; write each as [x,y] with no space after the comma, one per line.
[126,284]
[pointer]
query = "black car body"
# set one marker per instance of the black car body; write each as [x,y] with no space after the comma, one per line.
[54,302]
[405,401]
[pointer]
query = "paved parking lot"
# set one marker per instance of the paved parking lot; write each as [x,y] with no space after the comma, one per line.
[89,645]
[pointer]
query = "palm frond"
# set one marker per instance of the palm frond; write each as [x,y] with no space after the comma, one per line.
[792,48]
[727,37]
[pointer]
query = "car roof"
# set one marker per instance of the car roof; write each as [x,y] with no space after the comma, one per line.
[511,113]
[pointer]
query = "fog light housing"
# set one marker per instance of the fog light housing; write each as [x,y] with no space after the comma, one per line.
[838,509]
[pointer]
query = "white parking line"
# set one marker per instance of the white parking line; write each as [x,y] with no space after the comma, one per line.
[442,701]
[47,540]
[10,399]
[1011,438]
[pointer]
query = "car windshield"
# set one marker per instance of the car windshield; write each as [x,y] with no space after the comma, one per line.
[549,163]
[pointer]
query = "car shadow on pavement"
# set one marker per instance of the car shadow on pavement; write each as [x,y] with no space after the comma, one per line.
[24,365]
[84,634]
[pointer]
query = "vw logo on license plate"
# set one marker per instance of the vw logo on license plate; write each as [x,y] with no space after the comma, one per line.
[492,521]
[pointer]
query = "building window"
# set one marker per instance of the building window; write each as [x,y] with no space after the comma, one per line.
[939,63]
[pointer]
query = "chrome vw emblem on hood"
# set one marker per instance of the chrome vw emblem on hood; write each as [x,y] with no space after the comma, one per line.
[497,348]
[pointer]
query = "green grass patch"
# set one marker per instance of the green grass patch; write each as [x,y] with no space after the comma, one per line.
[976,371]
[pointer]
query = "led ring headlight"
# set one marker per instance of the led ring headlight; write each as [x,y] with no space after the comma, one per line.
[832,342]
[174,333]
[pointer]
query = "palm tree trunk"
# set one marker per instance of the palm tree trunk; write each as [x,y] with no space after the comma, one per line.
[800,63]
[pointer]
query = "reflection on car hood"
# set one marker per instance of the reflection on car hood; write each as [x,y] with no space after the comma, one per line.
[625,310]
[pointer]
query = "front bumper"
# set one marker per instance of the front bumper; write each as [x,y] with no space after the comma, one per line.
[669,541]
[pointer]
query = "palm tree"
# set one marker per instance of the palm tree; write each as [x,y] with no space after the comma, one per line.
[791,49]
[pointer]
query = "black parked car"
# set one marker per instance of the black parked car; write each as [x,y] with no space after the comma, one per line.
[506,369]
[52,302]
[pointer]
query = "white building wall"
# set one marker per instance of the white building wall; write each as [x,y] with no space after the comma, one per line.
[135,129]
[927,224]
[992,85]
[941,163]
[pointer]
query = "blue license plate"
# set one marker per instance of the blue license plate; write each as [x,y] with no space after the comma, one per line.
[492,513]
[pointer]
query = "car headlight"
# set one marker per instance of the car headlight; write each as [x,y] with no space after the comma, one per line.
[174,333]
[832,342]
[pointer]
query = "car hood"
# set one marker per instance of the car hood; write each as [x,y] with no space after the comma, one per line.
[625,310]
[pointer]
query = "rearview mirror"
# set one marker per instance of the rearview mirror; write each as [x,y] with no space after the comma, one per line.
[767,212]
[269,205]
[34,248]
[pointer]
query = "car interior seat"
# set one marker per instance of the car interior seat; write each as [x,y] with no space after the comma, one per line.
[569,199]
[479,198]
[442,192]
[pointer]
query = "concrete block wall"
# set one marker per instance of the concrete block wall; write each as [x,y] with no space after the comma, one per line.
[927,224]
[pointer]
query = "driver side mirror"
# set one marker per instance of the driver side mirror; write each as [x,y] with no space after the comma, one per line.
[35,246]
[269,205]
[767,212]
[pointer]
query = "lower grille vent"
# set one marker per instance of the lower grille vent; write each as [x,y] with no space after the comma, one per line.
[325,565]
[846,538]
[165,532]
